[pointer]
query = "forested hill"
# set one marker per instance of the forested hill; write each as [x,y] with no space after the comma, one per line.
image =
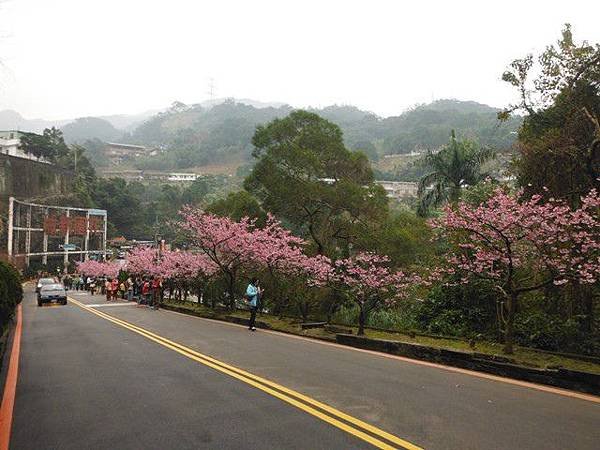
[428,126]
[197,135]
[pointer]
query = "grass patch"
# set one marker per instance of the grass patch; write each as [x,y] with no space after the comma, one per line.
[526,357]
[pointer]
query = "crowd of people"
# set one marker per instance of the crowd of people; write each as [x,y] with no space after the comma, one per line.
[146,291]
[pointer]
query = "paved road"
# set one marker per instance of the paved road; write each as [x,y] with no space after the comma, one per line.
[88,382]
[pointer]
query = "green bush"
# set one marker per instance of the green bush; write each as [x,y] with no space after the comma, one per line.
[458,310]
[11,292]
[552,332]
[400,319]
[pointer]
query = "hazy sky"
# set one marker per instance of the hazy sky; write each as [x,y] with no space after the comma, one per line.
[70,58]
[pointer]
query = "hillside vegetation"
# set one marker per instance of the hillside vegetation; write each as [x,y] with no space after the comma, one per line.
[200,135]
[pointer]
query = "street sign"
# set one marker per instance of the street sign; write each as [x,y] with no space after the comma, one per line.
[69,247]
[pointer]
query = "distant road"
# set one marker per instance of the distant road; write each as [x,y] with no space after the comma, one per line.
[124,377]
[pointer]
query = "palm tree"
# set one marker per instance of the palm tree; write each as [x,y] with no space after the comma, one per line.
[458,164]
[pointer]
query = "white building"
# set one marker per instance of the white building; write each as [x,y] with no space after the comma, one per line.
[393,189]
[399,189]
[10,141]
[183,177]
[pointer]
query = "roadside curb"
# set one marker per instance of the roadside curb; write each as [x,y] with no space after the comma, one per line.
[10,384]
[6,341]
[586,382]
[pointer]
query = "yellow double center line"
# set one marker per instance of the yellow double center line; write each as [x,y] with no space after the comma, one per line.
[356,427]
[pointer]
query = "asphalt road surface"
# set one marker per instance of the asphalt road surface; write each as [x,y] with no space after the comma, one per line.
[94,375]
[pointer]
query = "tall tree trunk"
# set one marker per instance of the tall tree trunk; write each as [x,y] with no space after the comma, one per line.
[303,307]
[362,319]
[509,330]
[231,290]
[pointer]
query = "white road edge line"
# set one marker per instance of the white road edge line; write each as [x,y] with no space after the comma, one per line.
[104,305]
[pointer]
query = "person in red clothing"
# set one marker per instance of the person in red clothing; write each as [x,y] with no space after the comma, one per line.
[145,292]
[114,287]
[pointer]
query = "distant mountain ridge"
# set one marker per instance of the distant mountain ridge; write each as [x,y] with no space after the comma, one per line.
[12,120]
[220,131]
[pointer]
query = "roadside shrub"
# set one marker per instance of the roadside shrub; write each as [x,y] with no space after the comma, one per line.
[552,332]
[458,310]
[397,319]
[11,291]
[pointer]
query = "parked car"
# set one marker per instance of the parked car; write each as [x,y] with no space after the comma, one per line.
[43,281]
[52,293]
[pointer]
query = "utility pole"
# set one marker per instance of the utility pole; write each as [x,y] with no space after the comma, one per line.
[211,88]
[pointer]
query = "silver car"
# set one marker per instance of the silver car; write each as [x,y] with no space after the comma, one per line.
[52,293]
[43,281]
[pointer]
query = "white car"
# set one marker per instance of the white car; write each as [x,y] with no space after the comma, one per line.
[41,282]
[52,293]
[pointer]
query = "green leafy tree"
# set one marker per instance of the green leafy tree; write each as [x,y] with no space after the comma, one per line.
[238,205]
[405,238]
[457,165]
[127,215]
[37,145]
[559,141]
[196,192]
[305,175]
[50,145]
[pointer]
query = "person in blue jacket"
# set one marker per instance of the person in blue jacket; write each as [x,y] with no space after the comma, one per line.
[253,292]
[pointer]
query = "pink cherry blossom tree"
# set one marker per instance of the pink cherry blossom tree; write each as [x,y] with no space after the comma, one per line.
[182,269]
[228,244]
[521,245]
[143,261]
[99,268]
[280,255]
[237,248]
[369,282]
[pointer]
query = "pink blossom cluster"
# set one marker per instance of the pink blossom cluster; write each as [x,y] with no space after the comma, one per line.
[232,248]
[143,261]
[229,244]
[368,277]
[98,268]
[171,264]
[241,246]
[509,233]
[184,265]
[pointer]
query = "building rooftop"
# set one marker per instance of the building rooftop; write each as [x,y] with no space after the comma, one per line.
[131,146]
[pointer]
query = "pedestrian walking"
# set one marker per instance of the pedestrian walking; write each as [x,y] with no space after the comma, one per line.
[67,282]
[108,289]
[129,287]
[253,293]
[156,286]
